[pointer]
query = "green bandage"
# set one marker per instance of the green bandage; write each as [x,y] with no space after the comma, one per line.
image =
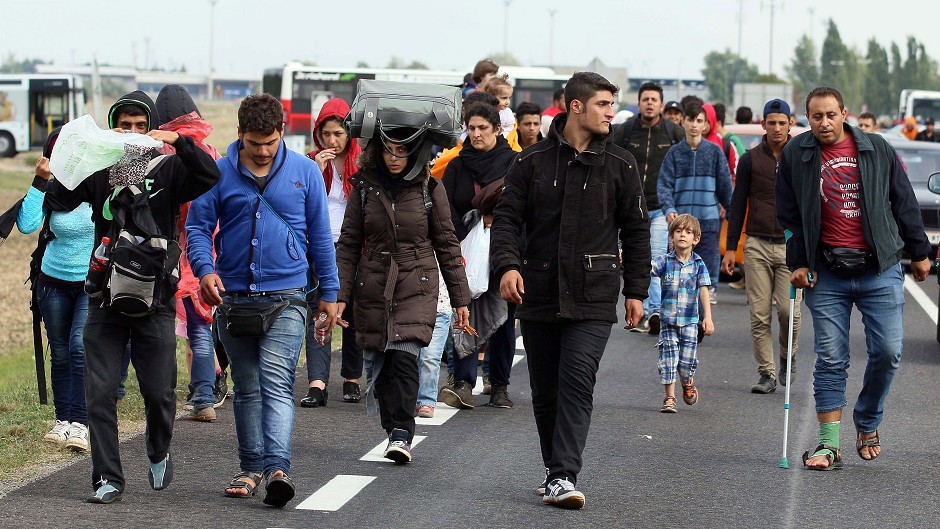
[828,435]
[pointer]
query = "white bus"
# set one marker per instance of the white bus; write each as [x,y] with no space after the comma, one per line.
[31,105]
[919,103]
[303,89]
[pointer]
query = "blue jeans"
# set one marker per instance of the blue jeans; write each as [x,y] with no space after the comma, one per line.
[202,374]
[263,380]
[64,311]
[659,243]
[880,299]
[429,360]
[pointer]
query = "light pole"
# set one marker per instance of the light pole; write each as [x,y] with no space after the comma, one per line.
[211,80]
[506,28]
[551,36]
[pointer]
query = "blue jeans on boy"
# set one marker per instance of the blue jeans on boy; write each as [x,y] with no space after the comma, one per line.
[202,374]
[429,360]
[659,244]
[64,311]
[880,299]
[263,380]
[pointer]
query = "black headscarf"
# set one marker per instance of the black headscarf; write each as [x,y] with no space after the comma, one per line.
[490,165]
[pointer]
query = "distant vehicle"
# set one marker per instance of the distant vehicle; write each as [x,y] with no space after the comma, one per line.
[920,104]
[921,159]
[933,185]
[31,105]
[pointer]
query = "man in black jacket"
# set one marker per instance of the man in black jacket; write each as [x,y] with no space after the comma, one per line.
[846,198]
[568,198]
[647,137]
[179,179]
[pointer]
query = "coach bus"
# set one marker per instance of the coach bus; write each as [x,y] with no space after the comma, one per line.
[303,89]
[31,105]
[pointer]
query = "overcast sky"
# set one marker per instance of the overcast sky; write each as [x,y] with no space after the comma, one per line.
[649,38]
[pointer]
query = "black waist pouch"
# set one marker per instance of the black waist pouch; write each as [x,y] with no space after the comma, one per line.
[252,320]
[847,262]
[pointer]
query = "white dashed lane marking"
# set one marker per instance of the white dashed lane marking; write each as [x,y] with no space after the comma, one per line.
[442,412]
[376,453]
[921,298]
[336,492]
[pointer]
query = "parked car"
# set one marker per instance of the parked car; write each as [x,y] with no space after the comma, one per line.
[921,159]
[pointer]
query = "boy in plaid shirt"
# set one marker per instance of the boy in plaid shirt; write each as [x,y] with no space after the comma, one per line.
[685,282]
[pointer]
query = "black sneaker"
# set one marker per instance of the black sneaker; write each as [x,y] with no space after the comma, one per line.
[766,384]
[105,493]
[561,492]
[220,389]
[160,474]
[782,376]
[540,490]
[642,326]
[654,323]
[499,398]
[460,396]
[398,449]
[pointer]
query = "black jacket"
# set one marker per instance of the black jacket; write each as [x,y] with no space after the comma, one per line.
[648,145]
[473,167]
[572,207]
[891,219]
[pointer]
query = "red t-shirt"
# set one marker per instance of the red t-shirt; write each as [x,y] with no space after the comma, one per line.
[840,193]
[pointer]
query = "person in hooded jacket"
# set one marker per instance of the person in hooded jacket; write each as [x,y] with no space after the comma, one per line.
[62,301]
[179,179]
[336,157]
[484,159]
[386,255]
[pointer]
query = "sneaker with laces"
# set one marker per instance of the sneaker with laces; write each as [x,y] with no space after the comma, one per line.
[105,493]
[206,414]
[78,438]
[669,405]
[540,490]
[654,323]
[689,392]
[425,411]
[59,433]
[398,449]
[460,396]
[160,474]
[561,492]
[220,389]
[642,326]
[499,398]
[766,384]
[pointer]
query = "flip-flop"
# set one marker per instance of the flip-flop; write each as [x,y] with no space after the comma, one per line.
[834,456]
[280,490]
[870,443]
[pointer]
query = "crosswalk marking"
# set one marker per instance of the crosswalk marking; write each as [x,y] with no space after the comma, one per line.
[442,412]
[376,453]
[336,492]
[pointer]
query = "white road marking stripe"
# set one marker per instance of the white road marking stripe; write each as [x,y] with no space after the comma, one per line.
[920,297]
[519,345]
[336,492]
[442,412]
[516,359]
[376,453]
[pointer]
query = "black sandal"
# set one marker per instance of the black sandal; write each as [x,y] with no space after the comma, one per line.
[238,482]
[870,443]
[834,457]
[280,490]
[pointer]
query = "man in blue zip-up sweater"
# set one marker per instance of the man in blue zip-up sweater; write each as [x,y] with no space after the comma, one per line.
[695,179]
[274,226]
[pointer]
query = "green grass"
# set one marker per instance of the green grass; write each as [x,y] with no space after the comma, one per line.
[23,421]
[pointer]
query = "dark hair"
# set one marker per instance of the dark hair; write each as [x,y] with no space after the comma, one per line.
[868,115]
[650,86]
[691,99]
[480,97]
[744,115]
[130,109]
[371,156]
[825,91]
[526,108]
[487,112]
[720,113]
[260,113]
[556,96]
[693,109]
[584,85]
[483,67]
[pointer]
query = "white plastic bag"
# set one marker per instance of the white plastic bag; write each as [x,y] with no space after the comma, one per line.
[83,148]
[476,254]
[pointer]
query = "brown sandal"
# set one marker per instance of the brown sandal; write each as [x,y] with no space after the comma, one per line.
[240,482]
[870,443]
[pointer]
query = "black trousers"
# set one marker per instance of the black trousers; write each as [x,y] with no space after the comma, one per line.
[153,353]
[396,389]
[500,349]
[563,358]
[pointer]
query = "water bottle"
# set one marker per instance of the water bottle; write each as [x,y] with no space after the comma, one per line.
[97,268]
[320,328]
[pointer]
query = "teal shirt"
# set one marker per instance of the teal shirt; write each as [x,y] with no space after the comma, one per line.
[67,255]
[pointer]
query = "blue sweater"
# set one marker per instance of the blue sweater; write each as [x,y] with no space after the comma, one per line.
[695,182]
[255,250]
[67,255]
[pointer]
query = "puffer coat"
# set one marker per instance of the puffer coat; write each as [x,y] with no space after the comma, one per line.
[386,259]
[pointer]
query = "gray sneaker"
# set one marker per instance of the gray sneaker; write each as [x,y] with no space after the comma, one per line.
[561,492]
[643,325]
[712,295]
[766,384]
[460,396]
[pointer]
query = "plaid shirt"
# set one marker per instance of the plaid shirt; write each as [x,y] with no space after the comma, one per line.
[680,287]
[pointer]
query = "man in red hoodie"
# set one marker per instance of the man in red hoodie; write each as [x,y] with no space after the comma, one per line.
[336,155]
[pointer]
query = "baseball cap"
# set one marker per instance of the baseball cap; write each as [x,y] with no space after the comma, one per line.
[776,106]
[929,121]
[673,105]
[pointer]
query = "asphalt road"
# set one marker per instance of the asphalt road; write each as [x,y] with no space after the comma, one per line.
[715,464]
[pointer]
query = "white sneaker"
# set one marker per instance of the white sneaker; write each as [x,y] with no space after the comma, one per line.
[58,434]
[561,492]
[78,438]
[712,296]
